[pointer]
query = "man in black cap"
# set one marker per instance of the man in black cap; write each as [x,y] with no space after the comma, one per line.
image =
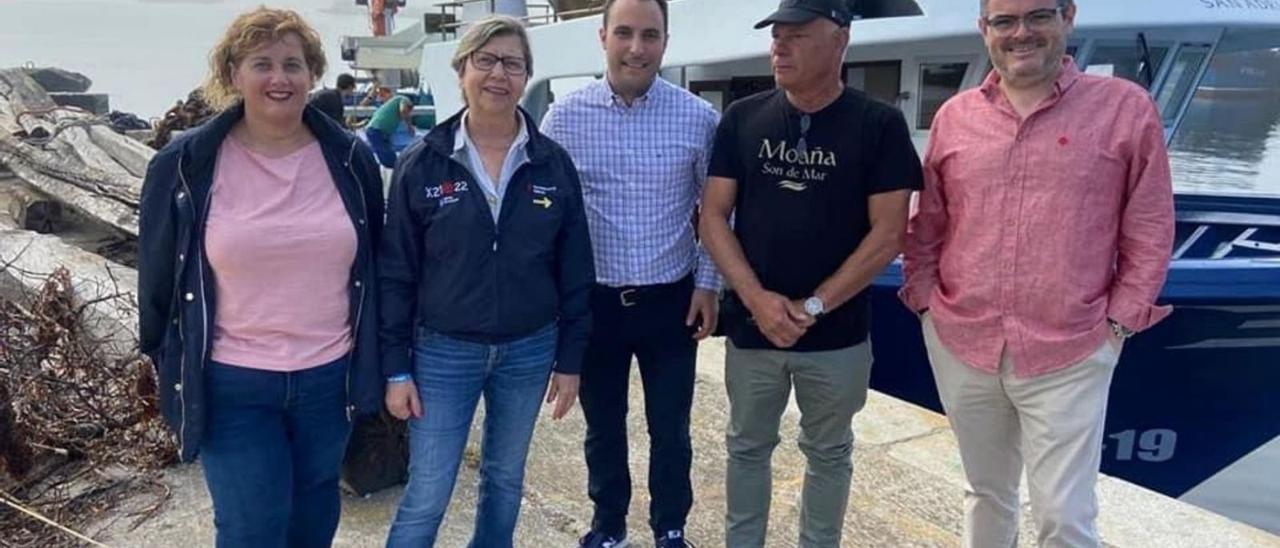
[819,177]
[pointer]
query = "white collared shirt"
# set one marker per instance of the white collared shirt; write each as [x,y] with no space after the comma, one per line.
[467,153]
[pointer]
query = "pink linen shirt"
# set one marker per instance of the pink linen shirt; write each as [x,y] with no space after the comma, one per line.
[1031,233]
[281,246]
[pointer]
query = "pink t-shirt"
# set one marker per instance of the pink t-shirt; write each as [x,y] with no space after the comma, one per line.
[281,247]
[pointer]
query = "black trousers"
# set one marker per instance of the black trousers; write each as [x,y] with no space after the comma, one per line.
[648,323]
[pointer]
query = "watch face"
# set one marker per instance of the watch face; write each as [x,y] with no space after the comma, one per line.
[813,306]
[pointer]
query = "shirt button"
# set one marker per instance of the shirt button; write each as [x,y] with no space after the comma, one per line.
[361,221]
[189,297]
[182,257]
[357,283]
[177,387]
[182,195]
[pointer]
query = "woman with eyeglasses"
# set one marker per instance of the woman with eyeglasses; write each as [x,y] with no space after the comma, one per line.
[487,267]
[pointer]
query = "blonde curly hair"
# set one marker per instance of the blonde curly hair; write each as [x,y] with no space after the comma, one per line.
[252,30]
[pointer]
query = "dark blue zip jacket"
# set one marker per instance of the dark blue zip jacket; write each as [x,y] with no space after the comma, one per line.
[175,285]
[447,267]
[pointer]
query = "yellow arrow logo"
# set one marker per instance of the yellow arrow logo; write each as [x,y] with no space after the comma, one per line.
[544,201]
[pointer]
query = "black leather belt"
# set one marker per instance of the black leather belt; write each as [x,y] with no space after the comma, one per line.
[629,296]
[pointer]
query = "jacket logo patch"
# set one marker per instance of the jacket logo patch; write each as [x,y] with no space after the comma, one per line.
[544,201]
[541,190]
[447,192]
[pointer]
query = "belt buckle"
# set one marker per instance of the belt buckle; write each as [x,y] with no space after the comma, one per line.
[624,297]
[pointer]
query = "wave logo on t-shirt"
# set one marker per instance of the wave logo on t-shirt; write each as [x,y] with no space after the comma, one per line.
[798,167]
[794,186]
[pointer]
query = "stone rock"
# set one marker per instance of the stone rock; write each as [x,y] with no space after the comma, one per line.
[54,79]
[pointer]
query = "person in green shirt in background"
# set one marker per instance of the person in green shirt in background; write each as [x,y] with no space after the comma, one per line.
[393,112]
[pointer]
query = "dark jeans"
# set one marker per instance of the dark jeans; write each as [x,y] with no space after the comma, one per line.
[271,454]
[381,144]
[647,323]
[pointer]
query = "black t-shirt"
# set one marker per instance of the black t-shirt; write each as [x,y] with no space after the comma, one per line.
[329,101]
[801,209]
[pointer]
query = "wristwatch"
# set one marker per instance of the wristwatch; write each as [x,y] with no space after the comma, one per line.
[814,306]
[1120,331]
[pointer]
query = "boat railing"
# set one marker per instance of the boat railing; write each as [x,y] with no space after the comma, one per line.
[1218,234]
[366,111]
[451,21]
[556,17]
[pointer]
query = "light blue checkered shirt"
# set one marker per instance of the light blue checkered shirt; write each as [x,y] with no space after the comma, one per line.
[642,170]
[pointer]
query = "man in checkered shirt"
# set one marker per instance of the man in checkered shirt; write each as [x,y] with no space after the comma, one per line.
[641,145]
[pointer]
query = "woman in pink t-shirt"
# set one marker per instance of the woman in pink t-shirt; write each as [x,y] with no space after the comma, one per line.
[257,287]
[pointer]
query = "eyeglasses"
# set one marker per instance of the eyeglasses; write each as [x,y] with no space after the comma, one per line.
[801,146]
[1036,20]
[513,66]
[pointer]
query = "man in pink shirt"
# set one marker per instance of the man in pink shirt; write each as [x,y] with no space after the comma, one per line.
[1041,242]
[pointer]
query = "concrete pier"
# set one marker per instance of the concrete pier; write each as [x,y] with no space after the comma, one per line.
[906,491]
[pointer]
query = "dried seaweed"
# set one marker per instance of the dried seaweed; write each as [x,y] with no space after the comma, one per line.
[80,433]
[183,116]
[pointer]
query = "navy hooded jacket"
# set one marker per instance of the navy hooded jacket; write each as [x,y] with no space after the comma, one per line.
[176,297]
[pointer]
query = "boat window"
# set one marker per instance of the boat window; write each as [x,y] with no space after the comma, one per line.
[1178,84]
[715,97]
[879,79]
[1228,142]
[562,87]
[745,86]
[938,82]
[716,92]
[875,9]
[1129,61]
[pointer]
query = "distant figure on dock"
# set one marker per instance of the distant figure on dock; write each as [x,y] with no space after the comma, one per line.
[382,16]
[333,101]
[818,177]
[394,111]
[1041,242]
[256,287]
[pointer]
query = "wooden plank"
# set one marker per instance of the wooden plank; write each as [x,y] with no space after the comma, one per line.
[70,155]
[109,289]
[81,195]
[131,154]
[30,210]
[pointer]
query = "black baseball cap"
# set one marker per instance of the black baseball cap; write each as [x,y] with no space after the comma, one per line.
[803,11]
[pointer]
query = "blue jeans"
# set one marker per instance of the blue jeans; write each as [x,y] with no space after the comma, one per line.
[381,144]
[451,375]
[271,454]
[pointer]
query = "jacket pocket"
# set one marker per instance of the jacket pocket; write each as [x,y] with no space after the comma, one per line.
[168,365]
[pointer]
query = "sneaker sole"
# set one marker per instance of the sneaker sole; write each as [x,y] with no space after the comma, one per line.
[624,543]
